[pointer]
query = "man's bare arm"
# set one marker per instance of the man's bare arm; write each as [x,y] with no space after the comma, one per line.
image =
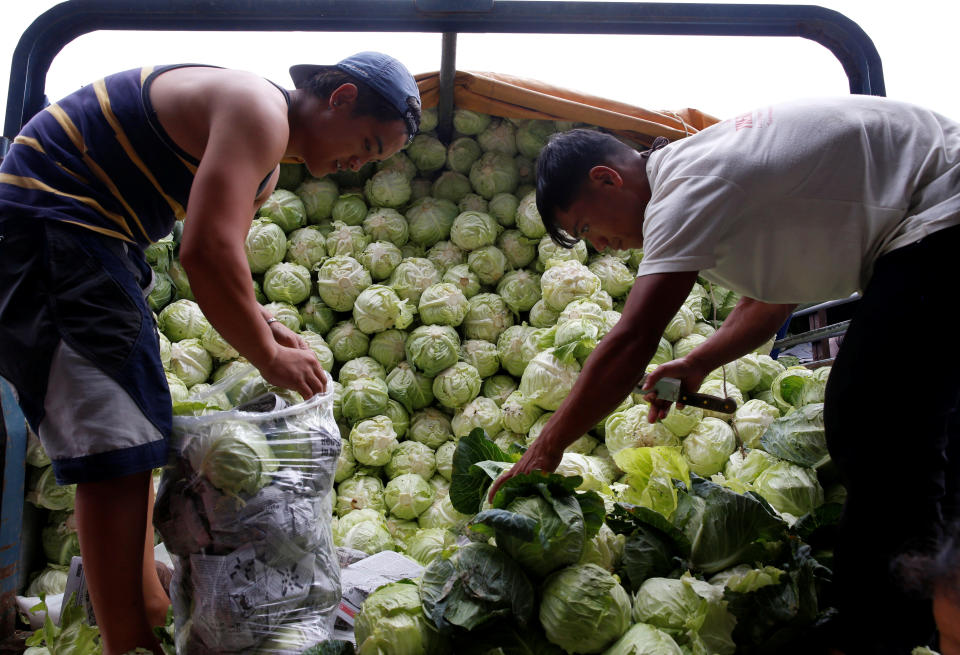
[244,144]
[749,326]
[612,370]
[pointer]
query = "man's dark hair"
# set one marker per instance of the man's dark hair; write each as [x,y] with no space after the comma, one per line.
[369,102]
[562,168]
[937,566]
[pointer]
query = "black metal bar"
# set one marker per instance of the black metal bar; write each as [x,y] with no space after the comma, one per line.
[813,335]
[810,309]
[448,70]
[61,24]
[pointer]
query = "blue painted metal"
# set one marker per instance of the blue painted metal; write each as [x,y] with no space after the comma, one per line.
[14,429]
[61,24]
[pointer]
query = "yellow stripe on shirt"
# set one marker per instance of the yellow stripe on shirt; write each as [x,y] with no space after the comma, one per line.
[73,132]
[68,127]
[37,185]
[100,87]
[101,230]
[30,142]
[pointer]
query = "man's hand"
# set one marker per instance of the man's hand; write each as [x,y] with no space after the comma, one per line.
[686,370]
[540,456]
[287,337]
[297,369]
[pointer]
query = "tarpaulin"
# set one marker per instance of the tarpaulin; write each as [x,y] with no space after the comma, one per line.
[514,97]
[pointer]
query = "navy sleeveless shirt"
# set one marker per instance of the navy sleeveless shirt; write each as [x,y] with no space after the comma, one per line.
[99,159]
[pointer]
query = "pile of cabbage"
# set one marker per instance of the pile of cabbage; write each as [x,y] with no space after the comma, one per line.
[58,536]
[549,567]
[428,288]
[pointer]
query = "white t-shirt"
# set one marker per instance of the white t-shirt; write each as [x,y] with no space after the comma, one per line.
[795,202]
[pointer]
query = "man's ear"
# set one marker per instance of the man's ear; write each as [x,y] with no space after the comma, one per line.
[603,175]
[344,95]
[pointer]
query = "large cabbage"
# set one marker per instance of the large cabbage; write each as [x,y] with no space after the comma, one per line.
[430,220]
[319,197]
[443,304]
[644,639]
[584,609]
[456,386]
[474,229]
[474,586]
[487,317]
[461,153]
[378,308]
[433,348]
[287,282]
[752,419]
[791,489]
[690,610]
[340,280]
[346,240]
[387,188]
[430,427]
[409,387]
[520,290]
[631,429]
[182,319]
[427,153]
[387,347]
[380,258]
[567,281]
[363,398]
[615,278]
[349,209]
[408,495]
[548,379]
[412,457]
[412,277]
[708,446]
[482,355]
[493,173]
[445,255]
[359,492]
[373,440]
[391,620]
[190,361]
[347,341]
[481,412]
[463,277]
[489,263]
[234,456]
[518,249]
[284,208]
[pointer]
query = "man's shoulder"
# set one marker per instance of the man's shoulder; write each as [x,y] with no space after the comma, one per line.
[226,87]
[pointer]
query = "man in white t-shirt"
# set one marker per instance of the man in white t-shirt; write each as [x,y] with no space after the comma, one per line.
[805,201]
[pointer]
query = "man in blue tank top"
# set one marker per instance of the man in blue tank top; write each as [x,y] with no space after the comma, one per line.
[88,183]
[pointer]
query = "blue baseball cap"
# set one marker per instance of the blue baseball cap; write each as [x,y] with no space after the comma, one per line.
[385,75]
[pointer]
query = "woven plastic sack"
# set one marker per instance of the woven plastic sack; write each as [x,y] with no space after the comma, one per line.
[244,508]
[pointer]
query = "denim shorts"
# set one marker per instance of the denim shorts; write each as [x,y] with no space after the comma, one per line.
[79,344]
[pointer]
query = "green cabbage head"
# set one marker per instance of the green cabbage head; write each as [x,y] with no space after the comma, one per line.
[584,609]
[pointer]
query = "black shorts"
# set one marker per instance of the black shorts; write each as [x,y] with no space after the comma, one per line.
[79,344]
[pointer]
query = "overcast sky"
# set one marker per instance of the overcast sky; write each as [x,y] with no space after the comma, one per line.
[718,75]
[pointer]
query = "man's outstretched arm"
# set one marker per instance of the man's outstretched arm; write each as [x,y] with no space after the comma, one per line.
[612,370]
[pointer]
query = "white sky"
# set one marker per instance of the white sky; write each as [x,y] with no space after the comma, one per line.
[718,75]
